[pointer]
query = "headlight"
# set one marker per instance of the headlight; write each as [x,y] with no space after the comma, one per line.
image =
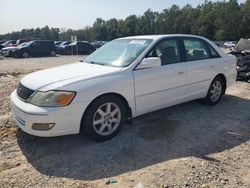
[52,98]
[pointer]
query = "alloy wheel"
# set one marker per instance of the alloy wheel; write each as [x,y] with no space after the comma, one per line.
[107,119]
[215,91]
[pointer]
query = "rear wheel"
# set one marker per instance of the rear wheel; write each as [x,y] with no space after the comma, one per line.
[215,92]
[25,54]
[104,118]
[53,53]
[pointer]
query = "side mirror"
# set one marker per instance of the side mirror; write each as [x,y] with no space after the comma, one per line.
[149,63]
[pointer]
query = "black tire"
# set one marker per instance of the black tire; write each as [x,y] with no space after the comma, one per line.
[87,125]
[209,100]
[25,54]
[53,53]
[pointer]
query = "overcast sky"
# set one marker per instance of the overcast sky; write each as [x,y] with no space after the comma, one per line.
[76,14]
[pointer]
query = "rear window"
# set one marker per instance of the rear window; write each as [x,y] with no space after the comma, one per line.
[195,49]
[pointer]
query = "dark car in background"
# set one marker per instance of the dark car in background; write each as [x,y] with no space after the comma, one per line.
[58,42]
[20,41]
[64,43]
[78,47]
[2,41]
[98,44]
[36,48]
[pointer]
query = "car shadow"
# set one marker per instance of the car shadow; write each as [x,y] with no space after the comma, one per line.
[189,129]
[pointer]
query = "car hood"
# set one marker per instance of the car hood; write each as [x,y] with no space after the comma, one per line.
[66,74]
[243,45]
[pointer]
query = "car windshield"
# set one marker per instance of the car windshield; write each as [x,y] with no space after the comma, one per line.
[73,43]
[119,53]
[7,42]
[26,44]
[23,44]
[65,43]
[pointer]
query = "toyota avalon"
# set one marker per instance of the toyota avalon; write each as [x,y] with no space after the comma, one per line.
[123,79]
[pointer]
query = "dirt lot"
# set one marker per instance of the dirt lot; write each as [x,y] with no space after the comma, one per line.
[189,145]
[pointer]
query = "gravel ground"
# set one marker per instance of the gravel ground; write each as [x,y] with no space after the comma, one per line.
[189,145]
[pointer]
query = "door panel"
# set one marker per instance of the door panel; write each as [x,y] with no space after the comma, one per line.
[159,87]
[200,74]
[35,49]
[200,68]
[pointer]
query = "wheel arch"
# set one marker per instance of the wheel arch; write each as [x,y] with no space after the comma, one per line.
[122,98]
[223,77]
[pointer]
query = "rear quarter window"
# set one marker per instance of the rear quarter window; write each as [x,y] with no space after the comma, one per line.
[213,52]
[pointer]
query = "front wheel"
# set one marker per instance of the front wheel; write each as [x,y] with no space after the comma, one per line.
[104,118]
[215,92]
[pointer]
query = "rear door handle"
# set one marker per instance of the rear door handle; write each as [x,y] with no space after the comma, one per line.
[212,66]
[181,72]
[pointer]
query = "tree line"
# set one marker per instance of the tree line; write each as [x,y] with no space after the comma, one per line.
[215,20]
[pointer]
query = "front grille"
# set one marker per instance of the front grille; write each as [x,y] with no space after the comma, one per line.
[23,92]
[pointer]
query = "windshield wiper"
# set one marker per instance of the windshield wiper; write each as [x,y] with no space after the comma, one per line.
[96,63]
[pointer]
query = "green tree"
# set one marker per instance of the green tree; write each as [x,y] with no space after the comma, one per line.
[228,21]
[45,33]
[205,25]
[245,22]
[222,20]
[130,25]
[100,29]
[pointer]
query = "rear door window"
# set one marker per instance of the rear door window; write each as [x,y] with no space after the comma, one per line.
[195,49]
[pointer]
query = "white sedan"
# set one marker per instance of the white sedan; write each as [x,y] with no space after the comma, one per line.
[229,44]
[125,78]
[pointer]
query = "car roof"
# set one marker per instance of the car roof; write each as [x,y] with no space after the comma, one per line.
[156,37]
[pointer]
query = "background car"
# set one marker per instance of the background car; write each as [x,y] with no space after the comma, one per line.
[58,42]
[2,41]
[78,47]
[1,46]
[242,52]
[8,51]
[20,41]
[8,43]
[36,48]
[64,43]
[98,44]
[229,44]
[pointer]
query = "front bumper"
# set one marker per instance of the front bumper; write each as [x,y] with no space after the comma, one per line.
[67,119]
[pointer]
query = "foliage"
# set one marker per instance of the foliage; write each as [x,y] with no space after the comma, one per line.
[214,20]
